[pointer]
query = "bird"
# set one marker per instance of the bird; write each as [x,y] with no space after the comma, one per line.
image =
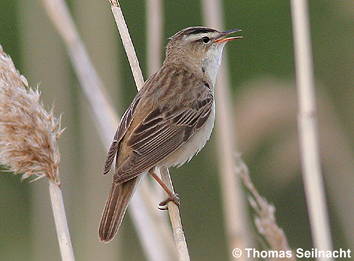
[169,121]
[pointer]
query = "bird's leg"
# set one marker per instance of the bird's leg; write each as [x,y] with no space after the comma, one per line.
[171,196]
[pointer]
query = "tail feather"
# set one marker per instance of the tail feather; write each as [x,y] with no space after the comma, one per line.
[115,208]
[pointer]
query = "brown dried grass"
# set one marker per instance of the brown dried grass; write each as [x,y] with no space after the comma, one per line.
[264,219]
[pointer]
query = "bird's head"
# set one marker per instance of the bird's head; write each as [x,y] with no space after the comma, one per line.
[199,46]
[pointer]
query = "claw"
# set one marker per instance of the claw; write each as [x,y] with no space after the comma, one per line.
[162,207]
[174,198]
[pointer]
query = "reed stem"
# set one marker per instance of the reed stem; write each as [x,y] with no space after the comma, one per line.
[308,132]
[61,224]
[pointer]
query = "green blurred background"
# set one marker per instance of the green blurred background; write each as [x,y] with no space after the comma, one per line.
[265,110]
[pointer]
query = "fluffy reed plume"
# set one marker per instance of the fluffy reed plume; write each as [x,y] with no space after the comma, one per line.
[28,133]
[28,141]
[265,219]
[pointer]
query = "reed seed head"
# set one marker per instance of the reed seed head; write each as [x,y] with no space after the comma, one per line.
[28,133]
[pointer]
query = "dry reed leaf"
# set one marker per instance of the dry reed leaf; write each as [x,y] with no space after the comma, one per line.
[265,220]
[28,133]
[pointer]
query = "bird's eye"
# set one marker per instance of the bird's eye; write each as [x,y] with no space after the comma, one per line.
[206,39]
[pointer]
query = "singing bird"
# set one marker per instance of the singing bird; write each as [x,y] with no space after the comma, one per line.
[169,120]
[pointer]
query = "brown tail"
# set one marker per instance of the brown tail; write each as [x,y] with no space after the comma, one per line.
[115,208]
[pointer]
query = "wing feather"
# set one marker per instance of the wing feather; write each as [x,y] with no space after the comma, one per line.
[171,128]
[122,129]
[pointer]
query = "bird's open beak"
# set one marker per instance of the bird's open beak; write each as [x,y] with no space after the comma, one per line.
[223,36]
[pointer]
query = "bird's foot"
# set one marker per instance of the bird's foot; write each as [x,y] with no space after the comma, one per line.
[172,198]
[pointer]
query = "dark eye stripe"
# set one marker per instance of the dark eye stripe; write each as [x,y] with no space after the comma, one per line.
[198,31]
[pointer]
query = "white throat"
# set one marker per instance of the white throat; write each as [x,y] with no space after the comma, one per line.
[212,62]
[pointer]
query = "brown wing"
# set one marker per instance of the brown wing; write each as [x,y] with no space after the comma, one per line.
[122,129]
[162,132]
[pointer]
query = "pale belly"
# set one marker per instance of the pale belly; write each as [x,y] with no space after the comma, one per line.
[193,146]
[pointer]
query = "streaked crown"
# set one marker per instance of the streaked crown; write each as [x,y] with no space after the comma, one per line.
[197,40]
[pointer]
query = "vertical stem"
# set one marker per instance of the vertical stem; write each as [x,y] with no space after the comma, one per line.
[154,34]
[154,28]
[129,48]
[158,251]
[128,44]
[235,212]
[176,221]
[61,224]
[308,128]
